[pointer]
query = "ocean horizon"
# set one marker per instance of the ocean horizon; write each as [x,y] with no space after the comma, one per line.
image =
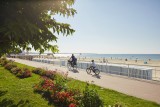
[124,56]
[113,56]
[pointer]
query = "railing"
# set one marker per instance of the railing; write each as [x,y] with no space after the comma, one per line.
[133,71]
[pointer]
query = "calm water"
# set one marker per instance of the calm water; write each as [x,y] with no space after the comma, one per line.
[113,56]
[124,56]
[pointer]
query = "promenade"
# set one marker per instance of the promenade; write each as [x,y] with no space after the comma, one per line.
[147,90]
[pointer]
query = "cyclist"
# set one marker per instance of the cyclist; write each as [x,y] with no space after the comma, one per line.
[93,65]
[73,60]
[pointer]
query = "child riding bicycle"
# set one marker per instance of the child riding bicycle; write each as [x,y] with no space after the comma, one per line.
[93,68]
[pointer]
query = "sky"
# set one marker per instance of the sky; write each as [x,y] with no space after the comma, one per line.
[113,27]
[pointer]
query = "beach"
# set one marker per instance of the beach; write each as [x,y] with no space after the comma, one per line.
[154,64]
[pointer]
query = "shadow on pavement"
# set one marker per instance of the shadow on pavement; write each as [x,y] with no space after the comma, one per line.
[75,71]
[96,76]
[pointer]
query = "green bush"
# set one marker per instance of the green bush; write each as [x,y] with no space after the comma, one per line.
[3,62]
[15,70]
[39,71]
[60,81]
[59,97]
[50,74]
[91,98]
[27,72]
[9,66]
[24,73]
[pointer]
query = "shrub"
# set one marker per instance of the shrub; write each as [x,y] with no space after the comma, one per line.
[15,70]
[56,95]
[64,99]
[50,74]
[23,73]
[4,62]
[3,58]
[26,73]
[39,71]
[9,66]
[20,74]
[72,105]
[60,82]
[91,98]
[44,85]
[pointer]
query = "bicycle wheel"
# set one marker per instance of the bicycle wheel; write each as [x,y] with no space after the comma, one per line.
[88,70]
[75,67]
[97,71]
[69,66]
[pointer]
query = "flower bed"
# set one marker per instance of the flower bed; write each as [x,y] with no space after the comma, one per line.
[59,96]
[53,87]
[9,65]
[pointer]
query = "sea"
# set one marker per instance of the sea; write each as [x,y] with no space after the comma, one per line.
[123,56]
[111,56]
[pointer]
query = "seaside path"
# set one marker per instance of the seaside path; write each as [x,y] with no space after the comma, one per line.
[141,89]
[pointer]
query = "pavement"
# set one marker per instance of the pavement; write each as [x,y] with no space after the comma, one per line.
[148,90]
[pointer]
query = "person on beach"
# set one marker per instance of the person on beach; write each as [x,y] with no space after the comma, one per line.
[73,59]
[104,60]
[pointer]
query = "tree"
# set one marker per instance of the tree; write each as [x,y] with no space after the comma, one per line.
[25,23]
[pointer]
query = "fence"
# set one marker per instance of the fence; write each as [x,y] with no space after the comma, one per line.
[134,71]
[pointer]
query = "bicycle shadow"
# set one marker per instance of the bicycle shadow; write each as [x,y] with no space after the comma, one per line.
[74,71]
[96,76]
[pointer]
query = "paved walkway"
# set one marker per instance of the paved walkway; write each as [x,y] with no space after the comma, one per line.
[141,89]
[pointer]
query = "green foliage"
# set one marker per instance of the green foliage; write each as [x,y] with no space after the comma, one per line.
[28,24]
[9,66]
[39,71]
[91,98]
[60,81]
[3,61]
[15,70]
[56,93]
[15,92]
[12,67]
[23,73]
[50,74]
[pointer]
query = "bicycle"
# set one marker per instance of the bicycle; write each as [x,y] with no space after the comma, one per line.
[91,68]
[71,65]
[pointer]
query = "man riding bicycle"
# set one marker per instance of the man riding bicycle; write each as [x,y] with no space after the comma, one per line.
[93,65]
[73,60]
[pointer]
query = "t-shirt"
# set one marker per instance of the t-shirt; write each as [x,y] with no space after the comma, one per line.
[93,64]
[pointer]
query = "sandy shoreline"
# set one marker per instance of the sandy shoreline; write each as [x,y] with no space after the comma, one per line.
[154,64]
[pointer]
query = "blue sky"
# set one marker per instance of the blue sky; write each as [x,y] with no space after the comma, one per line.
[113,27]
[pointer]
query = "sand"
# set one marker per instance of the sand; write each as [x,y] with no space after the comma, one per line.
[154,64]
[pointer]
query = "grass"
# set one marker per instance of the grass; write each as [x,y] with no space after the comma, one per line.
[111,97]
[19,92]
[14,88]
